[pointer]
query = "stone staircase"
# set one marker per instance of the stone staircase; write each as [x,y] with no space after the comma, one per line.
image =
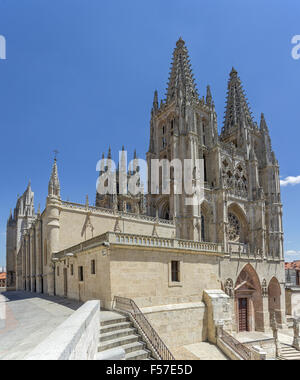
[289,353]
[116,330]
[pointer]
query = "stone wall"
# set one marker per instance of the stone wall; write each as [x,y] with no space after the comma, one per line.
[77,225]
[145,275]
[292,296]
[75,339]
[138,273]
[178,324]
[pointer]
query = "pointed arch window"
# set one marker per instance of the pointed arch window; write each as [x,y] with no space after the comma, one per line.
[205,168]
[202,228]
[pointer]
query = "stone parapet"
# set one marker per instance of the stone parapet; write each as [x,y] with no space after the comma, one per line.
[75,339]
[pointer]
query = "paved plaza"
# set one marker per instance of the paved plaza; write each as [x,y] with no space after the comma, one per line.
[26,319]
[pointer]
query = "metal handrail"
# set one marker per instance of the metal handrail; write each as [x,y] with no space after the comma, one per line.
[237,346]
[127,305]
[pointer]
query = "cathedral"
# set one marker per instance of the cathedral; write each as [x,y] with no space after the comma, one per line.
[220,260]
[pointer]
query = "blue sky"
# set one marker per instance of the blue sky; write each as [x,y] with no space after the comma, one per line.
[80,75]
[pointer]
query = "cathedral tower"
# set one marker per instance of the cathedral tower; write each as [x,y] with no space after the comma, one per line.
[182,127]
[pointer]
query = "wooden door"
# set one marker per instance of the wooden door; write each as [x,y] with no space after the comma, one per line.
[243,314]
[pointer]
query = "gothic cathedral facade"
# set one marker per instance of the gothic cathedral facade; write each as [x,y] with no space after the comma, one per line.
[176,252]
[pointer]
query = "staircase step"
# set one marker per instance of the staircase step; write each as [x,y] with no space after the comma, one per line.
[113,321]
[290,358]
[118,342]
[116,334]
[138,355]
[289,353]
[135,346]
[115,326]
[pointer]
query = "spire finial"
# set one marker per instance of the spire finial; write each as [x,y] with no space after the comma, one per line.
[180,43]
[109,153]
[233,72]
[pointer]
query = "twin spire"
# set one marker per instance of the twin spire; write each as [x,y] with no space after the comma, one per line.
[181,83]
[237,112]
[181,80]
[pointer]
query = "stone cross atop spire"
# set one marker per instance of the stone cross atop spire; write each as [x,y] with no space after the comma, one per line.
[181,80]
[54,185]
[237,111]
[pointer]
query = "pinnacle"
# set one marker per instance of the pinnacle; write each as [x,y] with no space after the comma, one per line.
[237,108]
[109,153]
[208,96]
[263,123]
[54,185]
[181,79]
[180,43]
[233,72]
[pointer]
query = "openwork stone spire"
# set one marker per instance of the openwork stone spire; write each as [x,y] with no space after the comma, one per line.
[54,185]
[237,109]
[181,81]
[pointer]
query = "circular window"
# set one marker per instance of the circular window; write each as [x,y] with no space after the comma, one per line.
[234,228]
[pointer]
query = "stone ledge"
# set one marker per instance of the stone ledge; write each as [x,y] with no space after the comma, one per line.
[173,307]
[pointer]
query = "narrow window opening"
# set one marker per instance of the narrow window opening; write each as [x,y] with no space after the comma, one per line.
[175,268]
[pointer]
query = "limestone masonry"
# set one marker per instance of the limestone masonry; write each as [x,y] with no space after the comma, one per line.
[185,266]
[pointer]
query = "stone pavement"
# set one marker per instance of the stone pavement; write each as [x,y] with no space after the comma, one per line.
[199,351]
[285,336]
[28,318]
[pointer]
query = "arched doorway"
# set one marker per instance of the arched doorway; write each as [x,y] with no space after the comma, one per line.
[248,301]
[274,295]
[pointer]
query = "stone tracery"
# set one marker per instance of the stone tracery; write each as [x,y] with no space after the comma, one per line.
[234,227]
